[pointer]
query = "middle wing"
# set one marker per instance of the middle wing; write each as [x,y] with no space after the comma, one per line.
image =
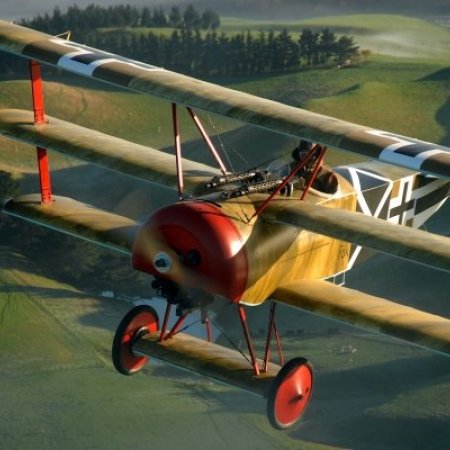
[77,219]
[354,227]
[98,148]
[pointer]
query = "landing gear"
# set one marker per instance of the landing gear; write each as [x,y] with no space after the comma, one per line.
[289,394]
[140,321]
[288,388]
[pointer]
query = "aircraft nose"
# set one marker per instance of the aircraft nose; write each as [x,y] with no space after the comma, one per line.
[195,244]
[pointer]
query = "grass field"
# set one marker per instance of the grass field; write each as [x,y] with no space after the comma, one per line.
[58,387]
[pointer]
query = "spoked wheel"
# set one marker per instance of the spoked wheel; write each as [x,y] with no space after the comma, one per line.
[138,322]
[290,393]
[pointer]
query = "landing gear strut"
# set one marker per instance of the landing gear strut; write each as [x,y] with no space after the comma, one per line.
[287,389]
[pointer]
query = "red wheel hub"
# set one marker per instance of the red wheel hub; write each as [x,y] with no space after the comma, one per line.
[140,320]
[290,393]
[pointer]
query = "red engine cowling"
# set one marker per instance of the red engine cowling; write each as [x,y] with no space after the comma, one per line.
[206,244]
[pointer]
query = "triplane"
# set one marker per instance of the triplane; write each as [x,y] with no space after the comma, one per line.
[285,232]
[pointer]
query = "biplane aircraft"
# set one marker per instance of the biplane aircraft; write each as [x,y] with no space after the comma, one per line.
[285,232]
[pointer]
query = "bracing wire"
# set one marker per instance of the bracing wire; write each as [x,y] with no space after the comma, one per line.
[224,334]
[222,145]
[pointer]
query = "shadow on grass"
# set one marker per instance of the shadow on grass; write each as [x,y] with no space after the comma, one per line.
[443,113]
[443,118]
[353,408]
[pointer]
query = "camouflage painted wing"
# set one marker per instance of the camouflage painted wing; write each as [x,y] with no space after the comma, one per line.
[395,149]
[98,148]
[354,227]
[77,219]
[366,311]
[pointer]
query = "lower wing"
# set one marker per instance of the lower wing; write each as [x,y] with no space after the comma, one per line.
[367,311]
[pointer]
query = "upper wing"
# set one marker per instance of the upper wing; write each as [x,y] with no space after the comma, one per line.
[98,148]
[367,311]
[410,243]
[406,152]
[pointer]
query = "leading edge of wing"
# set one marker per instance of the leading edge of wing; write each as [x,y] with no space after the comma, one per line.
[416,245]
[101,149]
[395,149]
[369,312]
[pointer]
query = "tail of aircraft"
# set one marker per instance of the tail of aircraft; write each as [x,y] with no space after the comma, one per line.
[397,195]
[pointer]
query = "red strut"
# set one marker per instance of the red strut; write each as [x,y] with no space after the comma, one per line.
[248,338]
[207,139]
[39,119]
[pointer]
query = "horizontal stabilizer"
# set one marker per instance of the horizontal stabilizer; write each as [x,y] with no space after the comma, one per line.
[366,311]
[354,227]
[101,149]
[77,219]
[139,77]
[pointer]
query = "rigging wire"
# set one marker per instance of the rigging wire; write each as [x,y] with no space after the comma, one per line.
[229,340]
[222,145]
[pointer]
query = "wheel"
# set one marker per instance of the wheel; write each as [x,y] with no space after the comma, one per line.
[289,393]
[139,321]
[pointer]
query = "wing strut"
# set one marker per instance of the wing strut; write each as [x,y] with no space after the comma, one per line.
[207,139]
[294,171]
[177,141]
[177,144]
[39,119]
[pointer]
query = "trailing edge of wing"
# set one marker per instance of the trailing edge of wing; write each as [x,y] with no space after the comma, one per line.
[98,148]
[413,244]
[366,311]
[395,149]
[77,219]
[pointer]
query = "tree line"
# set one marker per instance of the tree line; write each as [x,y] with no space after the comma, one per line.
[193,51]
[245,53]
[94,16]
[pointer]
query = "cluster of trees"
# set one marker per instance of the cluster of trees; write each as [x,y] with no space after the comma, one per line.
[245,53]
[95,16]
[213,54]
[188,49]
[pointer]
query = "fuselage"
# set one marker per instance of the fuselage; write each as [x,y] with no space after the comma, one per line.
[218,245]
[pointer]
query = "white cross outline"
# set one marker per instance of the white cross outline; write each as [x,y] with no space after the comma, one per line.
[66,61]
[354,171]
[389,155]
